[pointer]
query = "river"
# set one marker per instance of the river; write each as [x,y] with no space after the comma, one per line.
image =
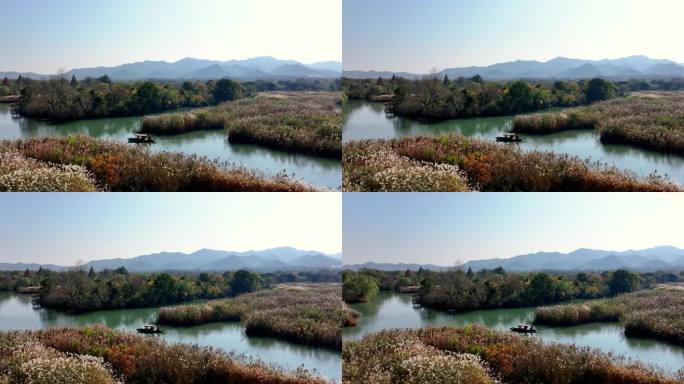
[393,310]
[16,312]
[365,120]
[212,144]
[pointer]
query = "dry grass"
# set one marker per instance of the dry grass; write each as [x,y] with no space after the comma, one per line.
[310,314]
[95,355]
[656,313]
[120,167]
[481,165]
[491,356]
[299,122]
[652,120]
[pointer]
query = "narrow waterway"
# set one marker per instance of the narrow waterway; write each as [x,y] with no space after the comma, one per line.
[365,120]
[392,310]
[212,144]
[16,312]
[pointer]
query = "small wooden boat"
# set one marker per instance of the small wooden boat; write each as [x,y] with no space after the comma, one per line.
[509,138]
[524,328]
[141,138]
[149,329]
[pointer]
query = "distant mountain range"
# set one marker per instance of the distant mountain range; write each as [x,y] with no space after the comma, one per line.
[651,259]
[275,259]
[632,67]
[264,67]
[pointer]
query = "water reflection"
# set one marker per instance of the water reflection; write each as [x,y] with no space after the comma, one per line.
[368,121]
[211,144]
[390,310]
[16,312]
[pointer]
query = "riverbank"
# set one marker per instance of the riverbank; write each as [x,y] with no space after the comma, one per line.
[456,163]
[309,314]
[651,120]
[301,122]
[477,354]
[657,313]
[82,163]
[102,355]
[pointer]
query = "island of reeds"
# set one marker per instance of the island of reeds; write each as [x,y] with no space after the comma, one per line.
[310,314]
[302,122]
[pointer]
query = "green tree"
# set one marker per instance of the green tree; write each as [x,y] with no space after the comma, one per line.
[623,281]
[147,98]
[598,90]
[73,81]
[358,288]
[104,79]
[541,289]
[91,273]
[244,282]
[226,90]
[446,80]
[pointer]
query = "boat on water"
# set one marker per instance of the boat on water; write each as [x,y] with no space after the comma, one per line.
[149,329]
[524,328]
[509,138]
[141,138]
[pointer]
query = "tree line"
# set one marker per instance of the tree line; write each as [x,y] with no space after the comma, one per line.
[82,291]
[497,288]
[62,100]
[442,98]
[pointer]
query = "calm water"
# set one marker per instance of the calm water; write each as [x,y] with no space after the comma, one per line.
[212,144]
[363,120]
[392,310]
[16,312]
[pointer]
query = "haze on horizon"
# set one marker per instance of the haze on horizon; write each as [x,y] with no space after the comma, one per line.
[45,36]
[62,228]
[444,228]
[405,36]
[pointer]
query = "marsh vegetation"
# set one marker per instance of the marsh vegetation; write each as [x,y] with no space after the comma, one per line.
[656,313]
[99,355]
[308,123]
[477,354]
[310,314]
[456,163]
[652,120]
[82,163]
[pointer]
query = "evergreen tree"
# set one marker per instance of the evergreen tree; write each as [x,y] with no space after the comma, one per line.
[470,273]
[73,82]
[91,273]
[446,80]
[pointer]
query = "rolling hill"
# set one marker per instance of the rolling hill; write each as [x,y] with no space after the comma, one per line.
[631,67]
[583,259]
[283,258]
[264,67]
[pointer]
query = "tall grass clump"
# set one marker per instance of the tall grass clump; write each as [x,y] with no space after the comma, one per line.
[477,354]
[656,313]
[309,314]
[19,173]
[651,120]
[81,162]
[300,122]
[483,165]
[99,354]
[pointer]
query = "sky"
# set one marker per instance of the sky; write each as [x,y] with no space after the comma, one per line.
[417,36]
[65,228]
[43,36]
[444,228]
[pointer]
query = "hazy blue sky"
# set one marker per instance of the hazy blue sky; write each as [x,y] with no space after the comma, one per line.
[441,228]
[43,36]
[410,35]
[62,228]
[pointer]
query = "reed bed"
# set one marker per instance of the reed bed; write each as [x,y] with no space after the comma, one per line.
[78,163]
[481,165]
[657,313]
[477,354]
[309,314]
[652,120]
[99,355]
[300,122]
